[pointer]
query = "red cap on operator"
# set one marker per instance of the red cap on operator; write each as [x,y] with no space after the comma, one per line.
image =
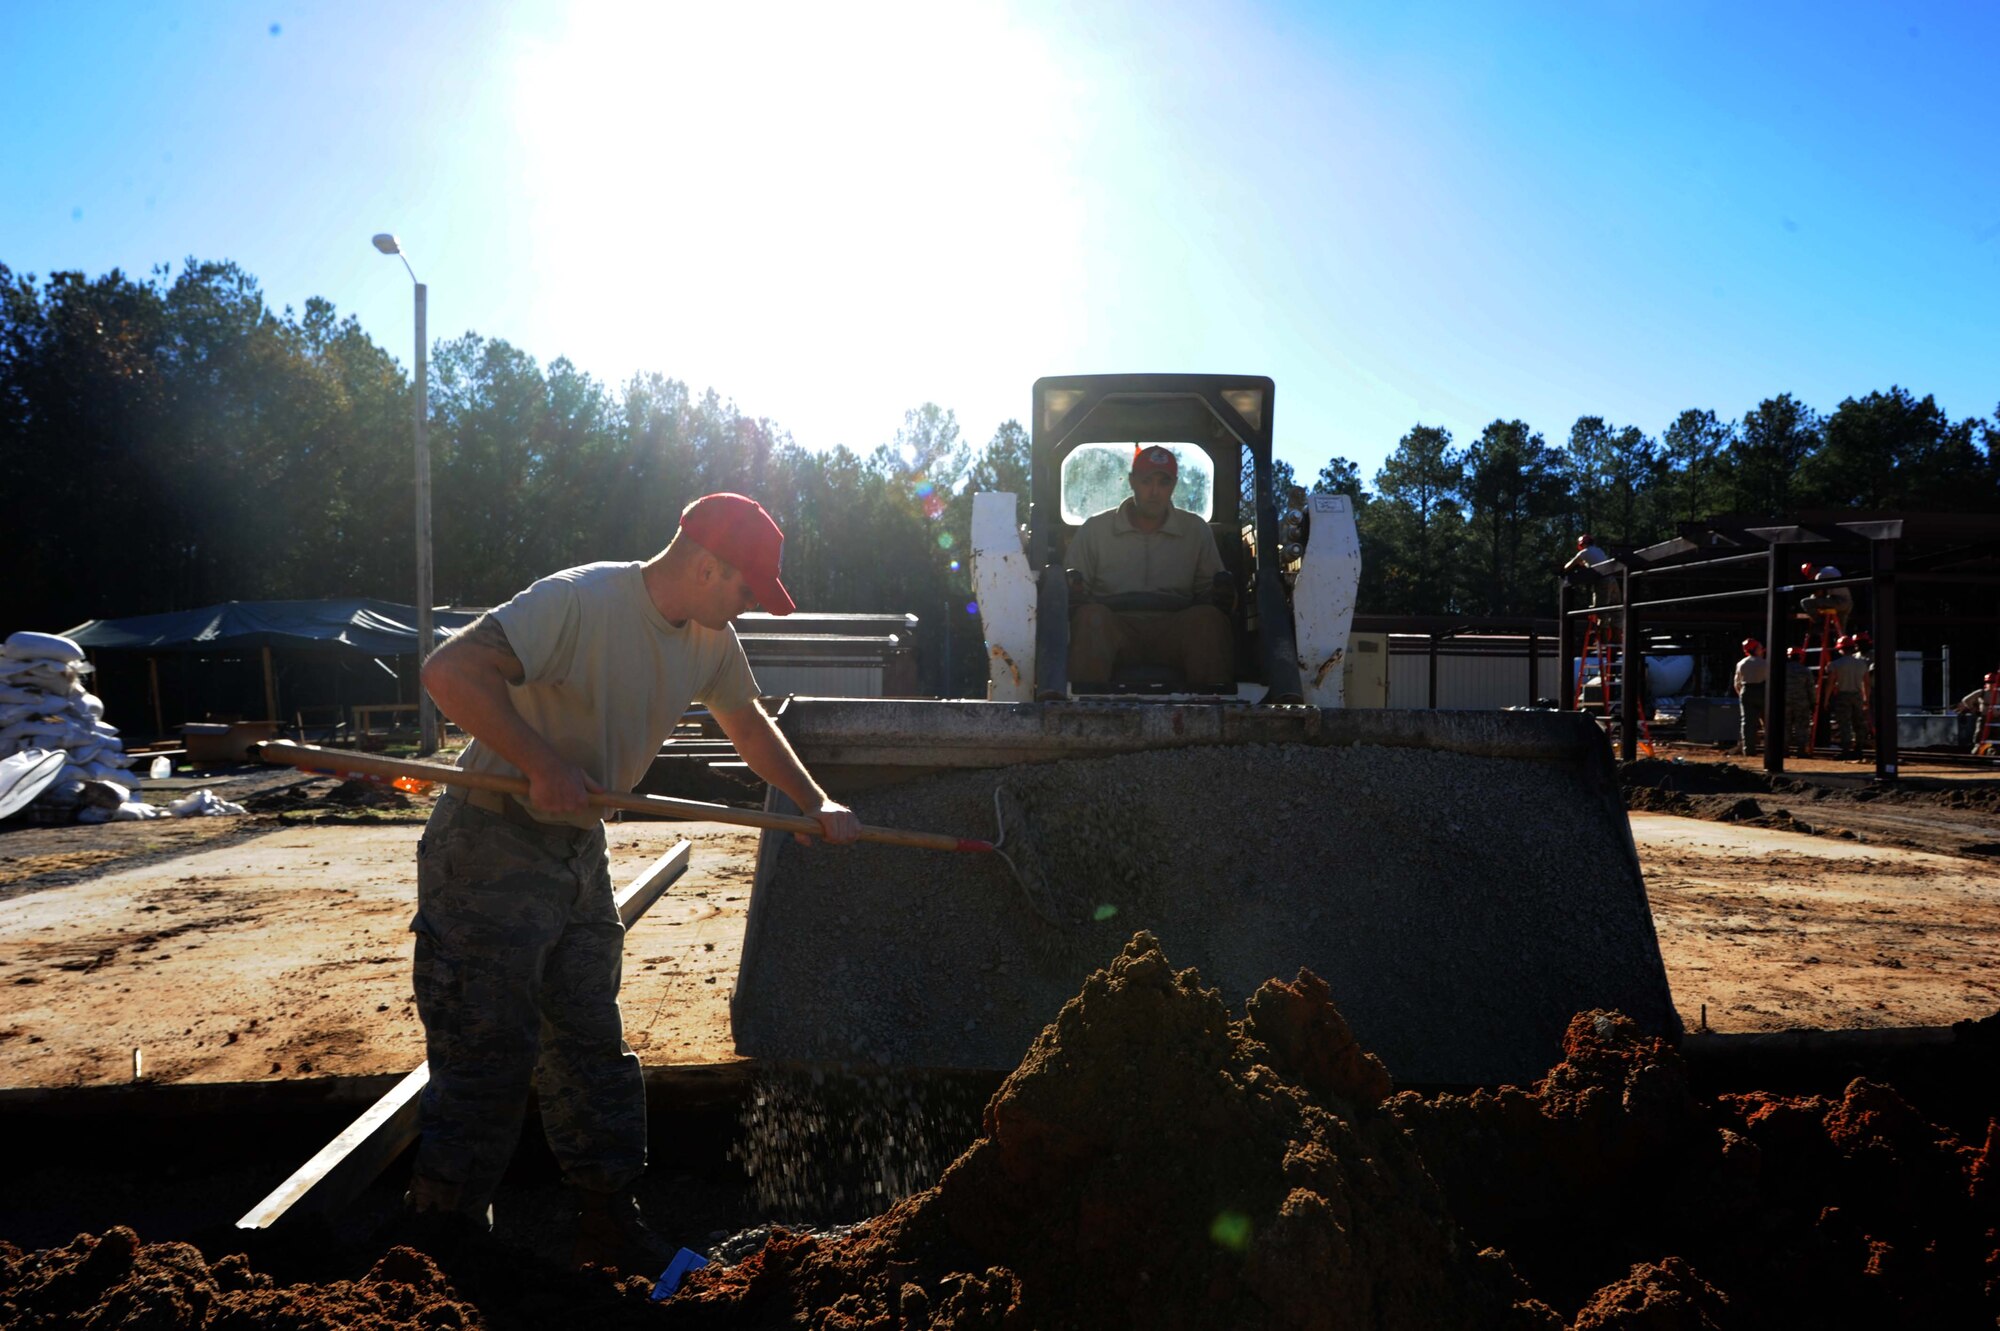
[1152,457]
[736,529]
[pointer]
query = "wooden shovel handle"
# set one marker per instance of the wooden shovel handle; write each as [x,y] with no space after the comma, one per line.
[340,762]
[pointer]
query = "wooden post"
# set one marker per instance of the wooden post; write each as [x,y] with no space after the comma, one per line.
[270,689]
[159,713]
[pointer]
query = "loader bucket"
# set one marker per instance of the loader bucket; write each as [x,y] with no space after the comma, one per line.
[1465,882]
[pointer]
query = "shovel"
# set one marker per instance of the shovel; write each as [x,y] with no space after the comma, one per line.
[339,762]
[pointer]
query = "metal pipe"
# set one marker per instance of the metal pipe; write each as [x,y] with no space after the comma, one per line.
[1774,653]
[427,719]
[1631,672]
[1565,647]
[1882,562]
[1717,562]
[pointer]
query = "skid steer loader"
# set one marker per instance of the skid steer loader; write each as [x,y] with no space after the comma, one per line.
[1464,881]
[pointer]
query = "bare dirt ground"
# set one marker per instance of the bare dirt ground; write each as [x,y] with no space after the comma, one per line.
[274,946]
[250,949]
[1770,930]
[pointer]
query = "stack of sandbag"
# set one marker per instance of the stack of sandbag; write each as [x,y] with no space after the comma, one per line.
[44,705]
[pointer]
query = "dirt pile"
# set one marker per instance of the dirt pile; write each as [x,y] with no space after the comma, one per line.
[333,800]
[117,1281]
[1151,1163]
[1791,1211]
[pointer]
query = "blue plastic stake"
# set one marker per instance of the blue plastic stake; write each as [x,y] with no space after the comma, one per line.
[670,1280]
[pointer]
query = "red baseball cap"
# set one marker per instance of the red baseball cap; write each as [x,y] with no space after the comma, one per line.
[1152,457]
[736,529]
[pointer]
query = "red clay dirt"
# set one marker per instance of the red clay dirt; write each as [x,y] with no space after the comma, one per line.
[1152,1163]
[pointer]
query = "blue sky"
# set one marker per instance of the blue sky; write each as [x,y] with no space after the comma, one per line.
[1438,213]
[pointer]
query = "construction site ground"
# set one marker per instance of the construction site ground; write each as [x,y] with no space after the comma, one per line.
[257,967]
[273,947]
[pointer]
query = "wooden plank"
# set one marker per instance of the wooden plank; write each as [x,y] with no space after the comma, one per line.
[345,1166]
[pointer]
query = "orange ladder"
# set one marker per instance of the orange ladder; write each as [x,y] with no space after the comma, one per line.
[1822,709]
[1988,743]
[1601,641]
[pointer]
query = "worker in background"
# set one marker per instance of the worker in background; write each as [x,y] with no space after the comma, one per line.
[1587,568]
[1798,702]
[1147,586]
[1751,673]
[1976,702]
[1839,600]
[1851,695]
[573,684]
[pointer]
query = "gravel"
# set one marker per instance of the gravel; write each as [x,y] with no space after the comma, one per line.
[1461,907]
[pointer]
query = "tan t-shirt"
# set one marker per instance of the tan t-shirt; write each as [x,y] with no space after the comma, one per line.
[1179,560]
[1850,673]
[607,677]
[1752,670]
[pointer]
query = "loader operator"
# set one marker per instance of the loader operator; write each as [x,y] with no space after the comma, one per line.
[575,684]
[1147,585]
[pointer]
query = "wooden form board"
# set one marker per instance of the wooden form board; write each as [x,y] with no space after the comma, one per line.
[345,1166]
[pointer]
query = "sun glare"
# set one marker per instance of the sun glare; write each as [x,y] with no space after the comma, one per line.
[808,207]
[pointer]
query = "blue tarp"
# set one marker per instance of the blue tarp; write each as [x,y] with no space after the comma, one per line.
[360,626]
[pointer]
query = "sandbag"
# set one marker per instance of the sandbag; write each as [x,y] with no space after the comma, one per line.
[27,646]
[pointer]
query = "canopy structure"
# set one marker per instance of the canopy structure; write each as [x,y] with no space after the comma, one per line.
[222,661]
[351,626]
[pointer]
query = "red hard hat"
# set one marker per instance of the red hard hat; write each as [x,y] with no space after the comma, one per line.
[1584,543]
[1796,653]
[1845,641]
[1751,647]
[1805,570]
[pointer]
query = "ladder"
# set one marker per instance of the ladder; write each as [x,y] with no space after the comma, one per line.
[1988,743]
[1823,682]
[1600,641]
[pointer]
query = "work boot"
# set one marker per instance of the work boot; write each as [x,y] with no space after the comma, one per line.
[438,1221]
[611,1233]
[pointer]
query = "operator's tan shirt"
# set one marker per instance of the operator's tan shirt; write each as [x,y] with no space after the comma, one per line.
[607,677]
[1752,670]
[1116,558]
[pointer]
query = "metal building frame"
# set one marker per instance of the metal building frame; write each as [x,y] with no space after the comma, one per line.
[1959,548]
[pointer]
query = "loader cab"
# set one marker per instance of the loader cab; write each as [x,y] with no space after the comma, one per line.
[1083,433]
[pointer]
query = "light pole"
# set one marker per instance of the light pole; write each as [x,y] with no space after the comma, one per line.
[427,725]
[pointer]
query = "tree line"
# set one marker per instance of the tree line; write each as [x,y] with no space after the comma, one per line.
[1481,529]
[171,441]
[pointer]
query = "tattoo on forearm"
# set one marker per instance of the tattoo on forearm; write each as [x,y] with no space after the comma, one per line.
[485,632]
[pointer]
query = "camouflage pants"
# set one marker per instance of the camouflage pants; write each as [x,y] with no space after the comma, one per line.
[1750,716]
[1798,715]
[1850,722]
[519,954]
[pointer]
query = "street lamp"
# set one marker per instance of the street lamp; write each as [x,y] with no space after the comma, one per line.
[426,710]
